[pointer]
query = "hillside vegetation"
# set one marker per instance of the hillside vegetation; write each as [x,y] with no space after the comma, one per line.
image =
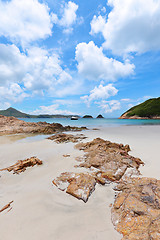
[147,109]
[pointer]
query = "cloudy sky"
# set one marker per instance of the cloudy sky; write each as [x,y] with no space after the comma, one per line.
[79,57]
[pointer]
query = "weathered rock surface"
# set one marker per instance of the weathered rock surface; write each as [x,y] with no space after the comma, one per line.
[65,138]
[110,159]
[110,162]
[12,125]
[79,185]
[136,210]
[21,165]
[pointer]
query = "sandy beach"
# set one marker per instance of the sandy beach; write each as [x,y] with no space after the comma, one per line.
[40,210]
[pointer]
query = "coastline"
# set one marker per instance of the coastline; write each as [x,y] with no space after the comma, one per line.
[42,211]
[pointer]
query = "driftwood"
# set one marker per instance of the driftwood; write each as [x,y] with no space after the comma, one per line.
[6,206]
[21,165]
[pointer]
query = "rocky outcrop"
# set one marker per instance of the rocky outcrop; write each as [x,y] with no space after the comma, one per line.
[65,138]
[99,116]
[79,185]
[109,162]
[87,116]
[12,125]
[21,165]
[111,159]
[136,210]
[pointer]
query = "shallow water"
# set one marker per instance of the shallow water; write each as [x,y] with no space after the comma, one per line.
[89,122]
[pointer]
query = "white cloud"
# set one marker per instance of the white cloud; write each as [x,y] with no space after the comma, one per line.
[94,65]
[4,105]
[13,92]
[37,71]
[131,26]
[24,21]
[100,92]
[69,17]
[52,109]
[109,106]
[97,24]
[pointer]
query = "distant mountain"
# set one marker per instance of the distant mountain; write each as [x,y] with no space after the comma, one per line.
[15,113]
[149,109]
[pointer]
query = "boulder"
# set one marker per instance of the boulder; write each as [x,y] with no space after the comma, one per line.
[136,210]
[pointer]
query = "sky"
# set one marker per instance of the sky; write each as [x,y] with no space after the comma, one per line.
[79,57]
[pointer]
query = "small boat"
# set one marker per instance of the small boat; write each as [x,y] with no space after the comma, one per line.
[74,118]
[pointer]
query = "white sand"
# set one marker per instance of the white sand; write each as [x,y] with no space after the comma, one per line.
[41,211]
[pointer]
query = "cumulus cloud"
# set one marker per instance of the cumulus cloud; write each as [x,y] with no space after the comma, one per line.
[94,65]
[52,109]
[97,24]
[37,71]
[68,18]
[131,26]
[12,92]
[100,92]
[109,106]
[25,21]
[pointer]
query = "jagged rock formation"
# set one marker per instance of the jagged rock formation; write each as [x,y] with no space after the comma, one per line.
[136,210]
[111,159]
[110,162]
[12,125]
[65,138]
[21,165]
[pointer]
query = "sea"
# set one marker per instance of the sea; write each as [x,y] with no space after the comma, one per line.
[95,122]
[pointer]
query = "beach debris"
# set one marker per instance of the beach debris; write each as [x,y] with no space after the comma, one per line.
[66,155]
[79,185]
[12,125]
[21,165]
[7,206]
[65,138]
[136,210]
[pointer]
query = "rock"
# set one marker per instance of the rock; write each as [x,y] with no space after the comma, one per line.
[136,210]
[65,138]
[6,206]
[79,185]
[87,116]
[66,155]
[21,165]
[111,159]
[12,125]
[99,116]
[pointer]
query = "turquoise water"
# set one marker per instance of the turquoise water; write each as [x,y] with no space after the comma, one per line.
[94,122]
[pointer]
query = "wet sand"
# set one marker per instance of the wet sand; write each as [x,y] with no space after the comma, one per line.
[41,211]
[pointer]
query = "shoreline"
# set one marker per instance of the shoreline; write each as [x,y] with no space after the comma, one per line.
[37,200]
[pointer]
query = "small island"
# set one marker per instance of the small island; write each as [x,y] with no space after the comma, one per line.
[87,116]
[99,116]
[149,109]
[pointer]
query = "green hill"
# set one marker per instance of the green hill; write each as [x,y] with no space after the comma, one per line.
[15,113]
[147,109]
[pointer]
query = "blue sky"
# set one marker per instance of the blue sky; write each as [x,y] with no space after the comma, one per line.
[79,57]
